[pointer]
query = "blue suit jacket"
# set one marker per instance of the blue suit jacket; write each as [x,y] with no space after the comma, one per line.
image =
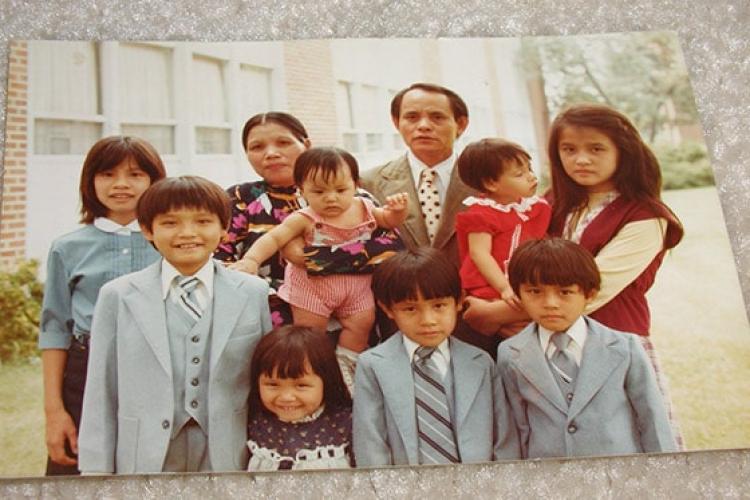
[385,421]
[616,408]
[128,404]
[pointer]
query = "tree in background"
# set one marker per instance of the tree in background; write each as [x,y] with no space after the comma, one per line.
[642,75]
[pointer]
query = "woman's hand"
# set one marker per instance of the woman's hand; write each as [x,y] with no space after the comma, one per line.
[510,298]
[482,315]
[61,430]
[245,265]
[294,252]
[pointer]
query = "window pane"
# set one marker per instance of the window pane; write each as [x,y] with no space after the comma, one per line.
[255,90]
[65,78]
[145,83]
[398,143]
[64,137]
[351,142]
[209,94]
[344,109]
[160,136]
[211,140]
[374,142]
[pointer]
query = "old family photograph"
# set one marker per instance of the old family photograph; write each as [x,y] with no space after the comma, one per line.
[326,254]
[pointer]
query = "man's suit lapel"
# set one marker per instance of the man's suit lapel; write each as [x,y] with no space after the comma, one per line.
[455,194]
[530,360]
[398,388]
[146,306]
[599,360]
[466,380]
[226,312]
[398,179]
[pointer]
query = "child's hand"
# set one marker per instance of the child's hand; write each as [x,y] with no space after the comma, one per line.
[396,203]
[510,297]
[61,429]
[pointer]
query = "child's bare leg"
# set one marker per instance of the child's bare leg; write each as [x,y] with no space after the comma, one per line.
[303,317]
[355,330]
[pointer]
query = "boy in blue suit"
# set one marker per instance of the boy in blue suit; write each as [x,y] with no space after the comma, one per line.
[422,397]
[576,387]
[169,368]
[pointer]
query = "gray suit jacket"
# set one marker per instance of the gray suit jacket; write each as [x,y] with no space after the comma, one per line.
[385,421]
[395,177]
[616,408]
[128,404]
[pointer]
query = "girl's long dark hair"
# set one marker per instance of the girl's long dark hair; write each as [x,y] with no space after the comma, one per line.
[637,177]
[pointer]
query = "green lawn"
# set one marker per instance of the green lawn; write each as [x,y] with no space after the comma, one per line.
[700,329]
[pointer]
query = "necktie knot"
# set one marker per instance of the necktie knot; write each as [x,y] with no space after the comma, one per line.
[187,299]
[187,283]
[423,353]
[427,176]
[561,340]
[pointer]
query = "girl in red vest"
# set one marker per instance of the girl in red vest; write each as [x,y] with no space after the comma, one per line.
[606,186]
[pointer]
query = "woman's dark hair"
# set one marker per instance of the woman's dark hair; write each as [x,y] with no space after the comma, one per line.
[424,271]
[553,261]
[324,161]
[180,192]
[287,352]
[487,159]
[637,177]
[106,154]
[286,120]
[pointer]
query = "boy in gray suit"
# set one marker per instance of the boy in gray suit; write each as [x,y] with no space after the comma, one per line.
[422,397]
[576,387]
[169,369]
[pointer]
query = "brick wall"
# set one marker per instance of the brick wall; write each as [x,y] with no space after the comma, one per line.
[311,88]
[12,225]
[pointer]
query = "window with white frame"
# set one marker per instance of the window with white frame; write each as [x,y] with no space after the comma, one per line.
[363,117]
[210,106]
[346,116]
[66,104]
[255,91]
[145,96]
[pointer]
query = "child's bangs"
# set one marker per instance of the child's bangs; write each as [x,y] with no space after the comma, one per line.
[284,360]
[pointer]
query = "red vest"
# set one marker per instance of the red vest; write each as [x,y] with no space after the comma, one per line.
[628,311]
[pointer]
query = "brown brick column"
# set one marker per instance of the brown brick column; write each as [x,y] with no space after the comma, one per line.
[13,223]
[311,87]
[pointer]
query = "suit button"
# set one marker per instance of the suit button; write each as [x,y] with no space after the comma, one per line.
[196,360]
[195,339]
[165,424]
[194,404]
[569,397]
[572,428]
[194,382]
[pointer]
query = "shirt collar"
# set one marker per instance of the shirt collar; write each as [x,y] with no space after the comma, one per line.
[577,331]
[443,169]
[411,347]
[205,275]
[110,226]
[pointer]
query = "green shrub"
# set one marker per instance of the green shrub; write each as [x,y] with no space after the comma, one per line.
[685,166]
[20,306]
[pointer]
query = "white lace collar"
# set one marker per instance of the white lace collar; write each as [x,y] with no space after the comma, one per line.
[519,207]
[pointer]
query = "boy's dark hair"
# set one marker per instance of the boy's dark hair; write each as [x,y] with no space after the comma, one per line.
[289,122]
[458,106]
[324,161]
[106,154]
[409,272]
[553,261]
[186,191]
[487,159]
[287,350]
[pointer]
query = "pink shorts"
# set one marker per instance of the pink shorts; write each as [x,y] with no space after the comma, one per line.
[339,295]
